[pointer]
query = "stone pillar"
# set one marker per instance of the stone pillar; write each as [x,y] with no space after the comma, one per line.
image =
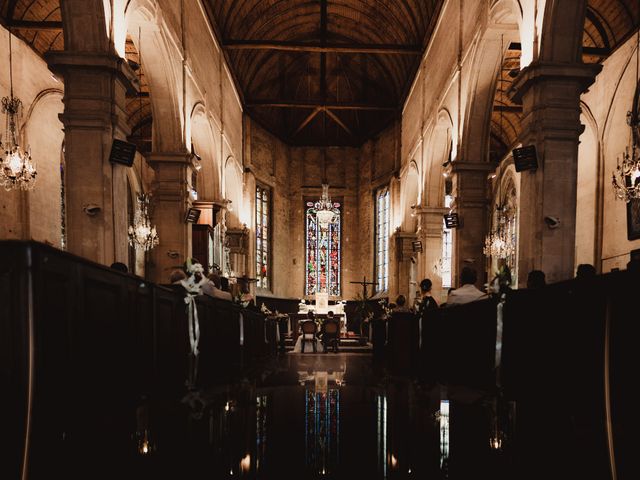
[94,114]
[171,200]
[430,233]
[550,96]
[406,265]
[470,191]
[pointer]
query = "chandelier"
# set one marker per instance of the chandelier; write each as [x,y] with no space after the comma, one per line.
[143,235]
[626,177]
[17,171]
[499,242]
[326,210]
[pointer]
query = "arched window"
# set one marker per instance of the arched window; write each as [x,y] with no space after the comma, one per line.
[63,203]
[263,236]
[323,255]
[382,239]
[447,249]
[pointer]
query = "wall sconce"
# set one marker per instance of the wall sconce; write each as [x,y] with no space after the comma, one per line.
[91,209]
[227,205]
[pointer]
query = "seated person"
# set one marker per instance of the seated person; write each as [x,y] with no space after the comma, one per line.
[467,292]
[213,288]
[307,337]
[330,332]
[401,305]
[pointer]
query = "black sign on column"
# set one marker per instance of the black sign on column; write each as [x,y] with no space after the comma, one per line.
[122,152]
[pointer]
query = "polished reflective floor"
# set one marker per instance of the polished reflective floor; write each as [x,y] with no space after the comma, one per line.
[326,416]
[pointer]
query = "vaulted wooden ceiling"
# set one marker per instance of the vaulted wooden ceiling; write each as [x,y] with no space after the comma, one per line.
[324,72]
[332,71]
[608,24]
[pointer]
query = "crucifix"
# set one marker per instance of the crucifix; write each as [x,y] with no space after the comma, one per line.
[364,284]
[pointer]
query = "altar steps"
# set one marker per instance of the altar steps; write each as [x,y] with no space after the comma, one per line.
[352,344]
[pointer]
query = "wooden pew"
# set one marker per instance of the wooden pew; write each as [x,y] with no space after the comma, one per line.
[81,345]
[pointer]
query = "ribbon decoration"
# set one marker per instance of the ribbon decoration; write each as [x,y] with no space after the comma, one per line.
[194,323]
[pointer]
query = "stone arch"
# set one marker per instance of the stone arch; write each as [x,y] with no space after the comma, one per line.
[588,192]
[438,152]
[42,131]
[203,143]
[86,25]
[410,199]
[504,27]
[162,66]
[233,190]
[562,31]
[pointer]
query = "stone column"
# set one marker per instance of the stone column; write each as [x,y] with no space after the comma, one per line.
[94,114]
[550,96]
[430,233]
[406,262]
[470,191]
[170,202]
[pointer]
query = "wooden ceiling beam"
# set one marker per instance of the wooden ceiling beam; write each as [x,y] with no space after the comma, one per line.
[317,48]
[307,120]
[507,108]
[312,104]
[34,25]
[338,121]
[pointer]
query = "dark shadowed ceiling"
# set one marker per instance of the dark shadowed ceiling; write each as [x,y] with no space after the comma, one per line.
[328,72]
[324,72]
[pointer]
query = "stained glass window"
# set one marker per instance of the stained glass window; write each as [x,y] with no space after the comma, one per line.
[323,255]
[382,239]
[263,242]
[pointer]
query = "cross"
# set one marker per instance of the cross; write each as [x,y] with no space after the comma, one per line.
[364,284]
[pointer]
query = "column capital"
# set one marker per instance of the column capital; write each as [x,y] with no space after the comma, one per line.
[65,61]
[476,167]
[175,158]
[584,74]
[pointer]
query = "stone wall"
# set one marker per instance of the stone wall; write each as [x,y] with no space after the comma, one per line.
[34,214]
[602,220]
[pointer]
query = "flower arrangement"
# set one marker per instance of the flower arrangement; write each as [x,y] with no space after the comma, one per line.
[195,277]
[264,309]
[244,299]
[384,304]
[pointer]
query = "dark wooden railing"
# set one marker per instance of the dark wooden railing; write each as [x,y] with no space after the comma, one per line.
[568,359]
[81,344]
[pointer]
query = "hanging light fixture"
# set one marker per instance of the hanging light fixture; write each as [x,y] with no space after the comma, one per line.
[17,170]
[142,234]
[626,177]
[499,242]
[326,210]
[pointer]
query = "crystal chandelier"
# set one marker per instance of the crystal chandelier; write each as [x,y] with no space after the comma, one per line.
[499,242]
[17,171]
[626,177]
[326,210]
[143,235]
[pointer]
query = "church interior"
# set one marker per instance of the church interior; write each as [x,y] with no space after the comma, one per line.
[319,239]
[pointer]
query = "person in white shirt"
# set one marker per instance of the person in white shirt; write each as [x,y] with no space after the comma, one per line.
[467,292]
[213,288]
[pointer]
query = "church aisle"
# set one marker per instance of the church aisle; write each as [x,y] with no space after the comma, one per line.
[324,415]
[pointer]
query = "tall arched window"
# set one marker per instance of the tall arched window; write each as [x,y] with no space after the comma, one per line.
[63,203]
[382,239]
[323,255]
[263,236]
